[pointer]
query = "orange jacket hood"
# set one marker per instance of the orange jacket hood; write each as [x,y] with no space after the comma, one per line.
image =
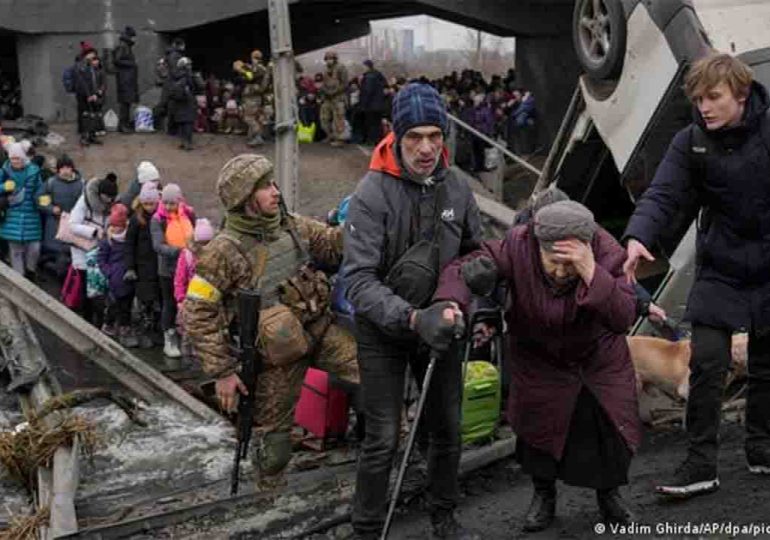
[384,157]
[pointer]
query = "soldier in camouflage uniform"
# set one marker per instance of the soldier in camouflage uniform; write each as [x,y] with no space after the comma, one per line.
[335,82]
[257,83]
[260,247]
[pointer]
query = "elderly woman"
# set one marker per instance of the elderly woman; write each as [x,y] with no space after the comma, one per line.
[573,394]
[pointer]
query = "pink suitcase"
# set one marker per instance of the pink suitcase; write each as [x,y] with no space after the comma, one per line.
[322,410]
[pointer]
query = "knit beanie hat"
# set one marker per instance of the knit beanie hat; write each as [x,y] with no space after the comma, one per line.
[85,48]
[109,185]
[550,195]
[203,230]
[172,193]
[16,150]
[562,220]
[118,216]
[147,172]
[416,105]
[149,193]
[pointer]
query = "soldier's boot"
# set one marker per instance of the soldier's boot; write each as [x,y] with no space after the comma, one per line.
[273,454]
[170,347]
[127,338]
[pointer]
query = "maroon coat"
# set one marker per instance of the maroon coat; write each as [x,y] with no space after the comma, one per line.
[560,343]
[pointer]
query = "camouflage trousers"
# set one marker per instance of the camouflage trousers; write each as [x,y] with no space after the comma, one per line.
[333,117]
[278,390]
[254,116]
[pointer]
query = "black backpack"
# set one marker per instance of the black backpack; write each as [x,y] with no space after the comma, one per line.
[414,276]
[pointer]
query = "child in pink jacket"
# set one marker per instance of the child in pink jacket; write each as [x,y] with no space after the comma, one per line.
[188,258]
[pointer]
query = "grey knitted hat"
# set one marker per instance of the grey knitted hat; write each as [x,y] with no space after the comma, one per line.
[562,220]
[548,196]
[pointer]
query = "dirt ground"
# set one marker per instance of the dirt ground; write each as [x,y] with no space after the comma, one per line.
[326,174]
[496,499]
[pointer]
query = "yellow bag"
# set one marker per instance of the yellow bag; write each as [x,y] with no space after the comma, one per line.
[282,338]
[306,133]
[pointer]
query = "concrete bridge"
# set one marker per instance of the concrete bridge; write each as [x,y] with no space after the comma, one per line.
[43,36]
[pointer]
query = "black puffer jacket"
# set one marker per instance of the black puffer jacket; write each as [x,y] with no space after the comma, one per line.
[127,76]
[141,257]
[729,178]
[182,106]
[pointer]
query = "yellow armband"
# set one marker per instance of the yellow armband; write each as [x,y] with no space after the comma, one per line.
[200,289]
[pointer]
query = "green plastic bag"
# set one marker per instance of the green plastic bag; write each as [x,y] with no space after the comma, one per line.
[306,133]
[481,401]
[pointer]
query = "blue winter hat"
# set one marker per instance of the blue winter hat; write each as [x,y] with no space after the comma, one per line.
[416,105]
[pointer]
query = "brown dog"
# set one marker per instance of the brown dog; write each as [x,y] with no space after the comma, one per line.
[666,364]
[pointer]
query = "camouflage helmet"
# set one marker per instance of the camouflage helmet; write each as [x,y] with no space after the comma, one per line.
[240,176]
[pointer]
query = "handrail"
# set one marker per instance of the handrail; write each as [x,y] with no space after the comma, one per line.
[521,161]
[545,176]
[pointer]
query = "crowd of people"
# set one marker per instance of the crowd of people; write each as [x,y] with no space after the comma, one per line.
[140,265]
[122,260]
[331,105]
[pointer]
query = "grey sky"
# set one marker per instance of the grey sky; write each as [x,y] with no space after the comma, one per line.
[442,34]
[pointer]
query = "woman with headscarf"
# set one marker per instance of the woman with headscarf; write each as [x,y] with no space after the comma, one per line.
[573,403]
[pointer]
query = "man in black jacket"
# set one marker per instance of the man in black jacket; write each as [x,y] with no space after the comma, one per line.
[410,194]
[719,166]
[372,102]
[89,91]
[127,77]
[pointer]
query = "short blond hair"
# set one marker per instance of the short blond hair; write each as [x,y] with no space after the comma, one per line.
[718,68]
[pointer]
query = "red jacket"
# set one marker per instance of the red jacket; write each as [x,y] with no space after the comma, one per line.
[560,343]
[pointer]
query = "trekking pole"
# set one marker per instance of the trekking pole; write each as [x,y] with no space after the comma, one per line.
[409,444]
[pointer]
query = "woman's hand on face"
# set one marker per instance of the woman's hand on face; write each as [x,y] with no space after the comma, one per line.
[580,255]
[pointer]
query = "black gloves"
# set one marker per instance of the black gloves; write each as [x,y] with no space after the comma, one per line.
[480,275]
[434,330]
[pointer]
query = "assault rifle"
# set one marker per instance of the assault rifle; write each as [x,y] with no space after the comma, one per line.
[249,304]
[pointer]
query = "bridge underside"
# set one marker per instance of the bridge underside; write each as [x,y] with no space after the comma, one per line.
[48,31]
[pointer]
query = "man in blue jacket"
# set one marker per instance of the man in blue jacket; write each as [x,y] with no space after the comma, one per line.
[718,166]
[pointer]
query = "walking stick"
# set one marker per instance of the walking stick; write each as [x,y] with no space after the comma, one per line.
[409,444]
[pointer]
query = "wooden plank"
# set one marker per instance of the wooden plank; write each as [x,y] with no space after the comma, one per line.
[142,379]
[302,484]
[58,484]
